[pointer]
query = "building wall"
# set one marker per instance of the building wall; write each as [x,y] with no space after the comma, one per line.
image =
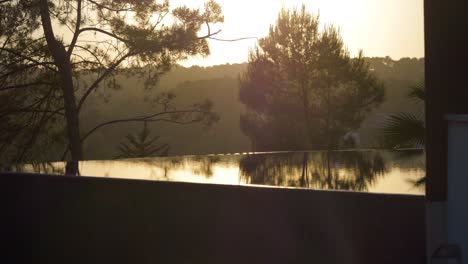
[60,219]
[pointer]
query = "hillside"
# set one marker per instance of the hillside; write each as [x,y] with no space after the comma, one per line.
[220,85]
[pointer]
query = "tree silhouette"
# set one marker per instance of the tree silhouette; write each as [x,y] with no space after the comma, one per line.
[142,145]
[46,47]
[302,89]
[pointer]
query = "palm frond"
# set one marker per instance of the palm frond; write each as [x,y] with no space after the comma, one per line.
[418,92]
[403,130]
[419,183]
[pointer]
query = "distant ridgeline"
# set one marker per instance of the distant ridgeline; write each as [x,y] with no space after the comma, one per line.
[220,84]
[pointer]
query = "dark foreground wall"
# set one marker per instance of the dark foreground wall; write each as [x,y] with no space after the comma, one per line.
[56,219]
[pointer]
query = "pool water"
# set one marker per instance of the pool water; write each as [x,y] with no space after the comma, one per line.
[376,171]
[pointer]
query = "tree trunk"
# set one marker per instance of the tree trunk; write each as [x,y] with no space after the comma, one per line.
[307,119]
[62,61]
[329,171]
[71,112]
[328,119]
[304,182]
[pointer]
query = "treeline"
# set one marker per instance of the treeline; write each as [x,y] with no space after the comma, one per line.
[220,84]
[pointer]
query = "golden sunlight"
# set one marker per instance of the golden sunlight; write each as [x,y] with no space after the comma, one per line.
[380,28]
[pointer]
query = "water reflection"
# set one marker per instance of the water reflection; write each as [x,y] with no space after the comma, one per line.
[370,171]
[341,170]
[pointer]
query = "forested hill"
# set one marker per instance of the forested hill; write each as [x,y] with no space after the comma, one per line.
[220,85]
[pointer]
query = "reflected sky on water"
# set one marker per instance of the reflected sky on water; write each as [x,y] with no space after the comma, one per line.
[363,171]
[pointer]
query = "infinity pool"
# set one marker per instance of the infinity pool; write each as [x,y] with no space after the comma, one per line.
[363,171]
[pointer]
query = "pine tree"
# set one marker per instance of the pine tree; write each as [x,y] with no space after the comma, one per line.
[142,145]
[302,90]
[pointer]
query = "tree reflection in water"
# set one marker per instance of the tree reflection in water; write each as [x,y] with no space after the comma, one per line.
[379,171]
[338,170]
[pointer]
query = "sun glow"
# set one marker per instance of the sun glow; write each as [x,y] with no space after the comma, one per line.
[380,28]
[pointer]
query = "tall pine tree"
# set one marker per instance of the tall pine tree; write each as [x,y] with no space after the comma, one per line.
[302,90]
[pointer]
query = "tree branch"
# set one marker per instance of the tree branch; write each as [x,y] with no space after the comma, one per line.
[35,104]
[140,120]
[95,84]
[25,67]
[209,34]
[35,134]
[232,40]
[149,118]
[109,8]
[24,85]
[36,62]
[53,112]
[77,29]
[91,53]
[103,32]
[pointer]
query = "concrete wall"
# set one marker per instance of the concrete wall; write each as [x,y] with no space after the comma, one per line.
[457,205]
[446,28]
[57,219]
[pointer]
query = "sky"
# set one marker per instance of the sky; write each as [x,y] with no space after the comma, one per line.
[380,28]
